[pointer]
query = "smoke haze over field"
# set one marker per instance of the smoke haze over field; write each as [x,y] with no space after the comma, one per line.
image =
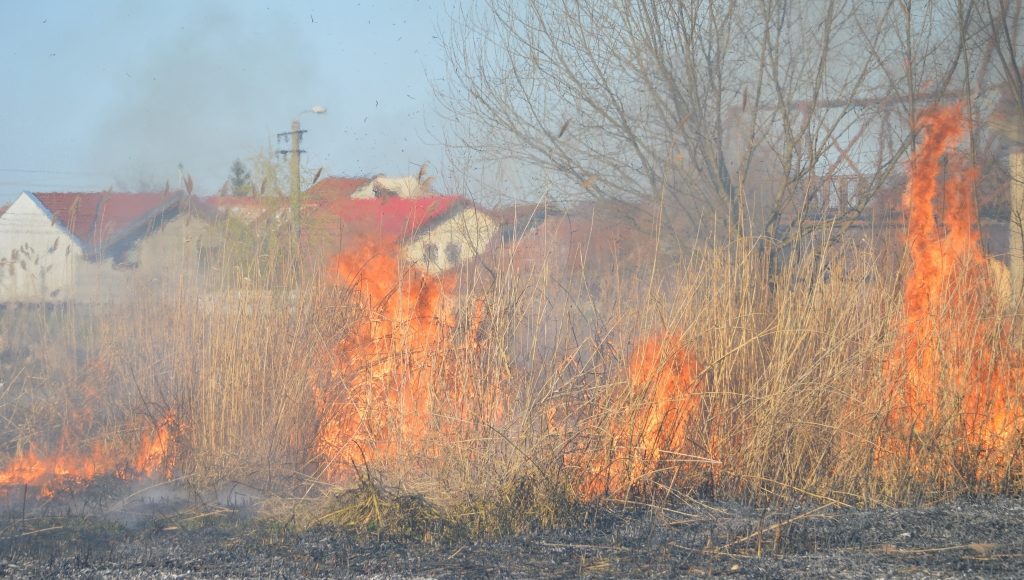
[202,97]
[118,94]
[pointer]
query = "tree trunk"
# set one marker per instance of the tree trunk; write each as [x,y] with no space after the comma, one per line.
[1017,223]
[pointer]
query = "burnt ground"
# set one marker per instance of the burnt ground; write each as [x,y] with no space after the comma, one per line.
[976,537]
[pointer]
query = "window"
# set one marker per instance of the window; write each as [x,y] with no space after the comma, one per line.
[453,252]
[430,253]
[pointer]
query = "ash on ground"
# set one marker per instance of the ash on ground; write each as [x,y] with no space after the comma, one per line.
[970,536]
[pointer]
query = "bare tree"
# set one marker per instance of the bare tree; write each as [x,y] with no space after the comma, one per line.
[729,113]
[1000,64]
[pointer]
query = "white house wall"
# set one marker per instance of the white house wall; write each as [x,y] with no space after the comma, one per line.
[41,262]
[469,230]
[182,250]
[404,187]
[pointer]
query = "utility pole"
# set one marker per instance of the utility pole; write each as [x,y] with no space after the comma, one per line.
[294,165]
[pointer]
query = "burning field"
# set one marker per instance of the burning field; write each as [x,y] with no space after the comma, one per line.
[510,398]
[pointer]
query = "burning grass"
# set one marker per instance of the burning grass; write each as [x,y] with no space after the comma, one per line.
[527,390]
[954,376]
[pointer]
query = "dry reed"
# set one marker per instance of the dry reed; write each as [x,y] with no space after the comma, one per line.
[792,389]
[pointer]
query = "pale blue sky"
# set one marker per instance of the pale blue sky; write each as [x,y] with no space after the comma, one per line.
[115,93]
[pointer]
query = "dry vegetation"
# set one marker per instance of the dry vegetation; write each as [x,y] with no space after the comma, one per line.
[790,396]
[508,395]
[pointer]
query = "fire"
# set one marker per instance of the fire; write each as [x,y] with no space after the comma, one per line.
[404,382]
[156,455]
[42,472]
[663,381]
[949,353]
[404,375]
[69,465]
[386,362]
[406,379]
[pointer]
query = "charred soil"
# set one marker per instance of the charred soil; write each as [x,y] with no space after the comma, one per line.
[967,536]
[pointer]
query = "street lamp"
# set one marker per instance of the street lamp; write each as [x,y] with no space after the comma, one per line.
[296,152]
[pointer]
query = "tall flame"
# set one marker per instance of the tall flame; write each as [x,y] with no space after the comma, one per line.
[386,361]
[949,353]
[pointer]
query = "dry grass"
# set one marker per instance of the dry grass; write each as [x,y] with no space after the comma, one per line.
[789,365]
[793,391]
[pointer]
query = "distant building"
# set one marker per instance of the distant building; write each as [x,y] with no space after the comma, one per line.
[88,247]
[517,220]
[333,188]
[434,232]
[247,210]
[431,231]
[596,237]
[408,187]
[379,187]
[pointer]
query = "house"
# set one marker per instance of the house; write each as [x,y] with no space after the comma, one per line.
[333,188]
[434,232]
[598,238]
[91,247]
[380,186]
[254,210]
[517,220]
[181,247]
[247,210]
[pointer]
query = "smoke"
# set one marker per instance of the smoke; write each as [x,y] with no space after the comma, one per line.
[212,90]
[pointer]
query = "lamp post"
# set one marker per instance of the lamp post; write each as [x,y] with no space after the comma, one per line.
[295,163]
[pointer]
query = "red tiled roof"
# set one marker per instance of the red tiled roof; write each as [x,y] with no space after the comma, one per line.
[3,208]
[332,188]
[98,218]
[393,217]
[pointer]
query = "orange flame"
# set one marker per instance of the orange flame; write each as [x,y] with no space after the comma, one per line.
[386,361]
[156,454]
[69,466]
[943,352]
[663,377]
[399,389]
[399,367]
[62,468]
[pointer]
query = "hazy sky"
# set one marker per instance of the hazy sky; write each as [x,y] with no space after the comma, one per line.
[118,93]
